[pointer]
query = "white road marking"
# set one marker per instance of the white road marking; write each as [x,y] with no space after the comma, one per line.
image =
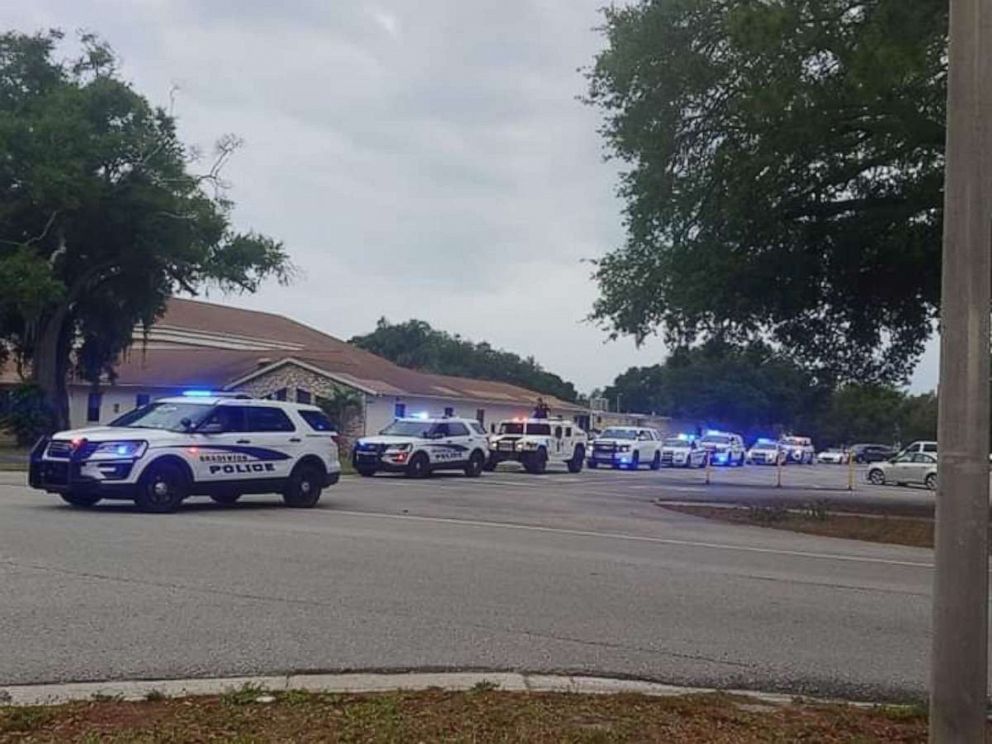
[634,538]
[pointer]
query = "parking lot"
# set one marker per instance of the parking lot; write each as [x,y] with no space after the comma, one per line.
[561,572]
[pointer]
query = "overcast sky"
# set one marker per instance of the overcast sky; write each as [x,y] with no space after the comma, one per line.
[424,159]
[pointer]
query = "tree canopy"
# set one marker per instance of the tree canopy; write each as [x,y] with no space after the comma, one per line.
[101,215]
[752,389]
[416,345]
[783,175]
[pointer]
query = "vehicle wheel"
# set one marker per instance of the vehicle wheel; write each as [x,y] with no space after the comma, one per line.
[656,461]
[877,477]
[931,482]
[635,461]
[476,464]
[578,459]
[740,460]
[80,500]
[593,464]
[162,488]
[304,487]
[490,465]
[227,499]
[537,463]
[419,466]
[366,472]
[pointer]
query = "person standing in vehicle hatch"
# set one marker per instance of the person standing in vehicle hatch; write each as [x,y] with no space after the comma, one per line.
[541,409]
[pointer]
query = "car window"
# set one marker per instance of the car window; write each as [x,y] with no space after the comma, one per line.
[924,458]
[230,418]
[267,418]
[930,447]
[317,420]
[541,430]
[457,429]
[477,428]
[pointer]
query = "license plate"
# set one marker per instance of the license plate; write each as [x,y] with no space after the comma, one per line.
[506,446]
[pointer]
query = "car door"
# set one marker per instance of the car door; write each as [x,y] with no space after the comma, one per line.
[440,447]
[922,464]
[901,469]
[216,447]
[272,439]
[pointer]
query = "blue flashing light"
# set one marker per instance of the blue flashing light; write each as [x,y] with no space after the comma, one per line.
[720,457]
[123,449]
[686,437]
[198,393]
[422,415]
[713,432]
[764,440]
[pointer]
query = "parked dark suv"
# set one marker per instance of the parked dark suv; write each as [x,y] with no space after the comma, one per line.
[864,453]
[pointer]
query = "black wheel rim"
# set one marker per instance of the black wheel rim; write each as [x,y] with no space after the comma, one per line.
[162,489]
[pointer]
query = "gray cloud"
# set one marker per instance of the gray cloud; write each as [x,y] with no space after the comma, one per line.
[418,159]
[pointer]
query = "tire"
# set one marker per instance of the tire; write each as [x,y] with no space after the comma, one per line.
[490,465]
[578,460]
[740,460]
[537,463]
[162,488]
[304,487]
[656,461]
[419,466]
[365,472]
[80,500]
[635,461]
[593,464]
[225,499]
[876,477]
[475,465]
[931,482]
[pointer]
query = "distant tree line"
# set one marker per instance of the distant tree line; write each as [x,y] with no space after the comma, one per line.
[416,345]
[758,391]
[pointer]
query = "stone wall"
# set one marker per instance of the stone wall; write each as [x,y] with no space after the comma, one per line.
[292,378]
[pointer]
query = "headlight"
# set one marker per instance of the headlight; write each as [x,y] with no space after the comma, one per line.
[118,450]
[623,448]
[399,448]
[529,445]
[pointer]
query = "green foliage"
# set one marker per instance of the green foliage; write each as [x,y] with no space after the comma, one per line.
[341,406]
[28,415]
[784,166]
[749,389]
[877,413]
[416,345]
[101,218]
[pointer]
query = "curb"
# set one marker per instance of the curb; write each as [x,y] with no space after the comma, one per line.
[55,694]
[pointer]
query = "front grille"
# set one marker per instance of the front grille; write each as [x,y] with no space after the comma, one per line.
[667,457]
[604,447]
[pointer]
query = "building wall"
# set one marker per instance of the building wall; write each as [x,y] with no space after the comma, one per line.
[114,400]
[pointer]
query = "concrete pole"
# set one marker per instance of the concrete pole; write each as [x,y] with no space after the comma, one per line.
[959,660]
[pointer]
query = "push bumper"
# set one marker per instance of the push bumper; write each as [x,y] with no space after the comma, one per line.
[66,475]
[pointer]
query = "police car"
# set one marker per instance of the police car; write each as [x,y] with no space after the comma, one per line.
[627,447]
[683,451]
[724,448]
[199,444]
[799,450]
[420,445]
[767,452]
[534,442]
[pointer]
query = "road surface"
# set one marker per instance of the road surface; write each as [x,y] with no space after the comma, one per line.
[557,573]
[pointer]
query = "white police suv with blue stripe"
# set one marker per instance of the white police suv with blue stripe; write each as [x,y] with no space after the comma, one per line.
[419,445]
[199,444]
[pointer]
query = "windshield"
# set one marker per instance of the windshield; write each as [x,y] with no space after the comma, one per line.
[794,441]
[716,439]
[511,428]
[619,434]
[676,442]
[417,429]
[765,445]
[168,416]
[539,429]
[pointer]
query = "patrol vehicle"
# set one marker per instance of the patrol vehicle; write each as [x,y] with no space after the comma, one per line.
[533,442]
[626,447]
[799,450]
[767,452]
[683,451]
[420,445]
[199,444]
[724,448]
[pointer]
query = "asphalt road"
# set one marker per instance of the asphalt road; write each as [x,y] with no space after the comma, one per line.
[559,573]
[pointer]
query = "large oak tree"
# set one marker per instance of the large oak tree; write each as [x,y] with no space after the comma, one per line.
[102,218]
[783,175]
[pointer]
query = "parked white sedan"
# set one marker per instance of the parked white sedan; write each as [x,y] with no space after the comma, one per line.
[919,468]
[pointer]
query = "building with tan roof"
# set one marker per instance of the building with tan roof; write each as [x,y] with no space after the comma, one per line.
[209,346]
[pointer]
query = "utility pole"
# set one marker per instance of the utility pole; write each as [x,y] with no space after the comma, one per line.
[959,658]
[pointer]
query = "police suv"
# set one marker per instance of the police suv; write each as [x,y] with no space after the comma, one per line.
[627,447]
[683,451]
[799,450]
[767,452]
[724,448]
[200,444]
[533,442]
[420,445]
